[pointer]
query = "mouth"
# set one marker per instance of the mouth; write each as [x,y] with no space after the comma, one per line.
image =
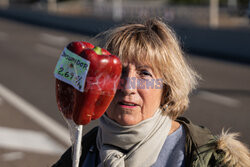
[125,104]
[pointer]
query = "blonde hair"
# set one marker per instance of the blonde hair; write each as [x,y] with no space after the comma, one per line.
[155,44]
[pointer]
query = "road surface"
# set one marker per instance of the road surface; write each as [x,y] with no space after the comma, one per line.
[27,61]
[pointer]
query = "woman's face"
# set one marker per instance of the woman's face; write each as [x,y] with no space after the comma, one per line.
[139,96]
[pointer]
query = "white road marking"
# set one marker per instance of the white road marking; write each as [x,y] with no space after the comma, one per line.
[3,36]
[227,101]
[36,115]
[12,156]
[48,50]
[28,140]
[53,39]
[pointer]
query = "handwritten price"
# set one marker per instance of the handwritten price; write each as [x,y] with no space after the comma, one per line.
[72,69]
[70,76]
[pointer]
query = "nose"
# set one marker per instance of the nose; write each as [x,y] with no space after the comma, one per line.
[129,82]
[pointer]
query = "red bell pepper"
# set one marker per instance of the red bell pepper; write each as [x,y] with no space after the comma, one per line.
[100,86]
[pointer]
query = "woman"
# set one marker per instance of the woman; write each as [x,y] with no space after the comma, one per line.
[140,127]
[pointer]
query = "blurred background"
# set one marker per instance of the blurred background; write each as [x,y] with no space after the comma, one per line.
[213,13]
[214,34]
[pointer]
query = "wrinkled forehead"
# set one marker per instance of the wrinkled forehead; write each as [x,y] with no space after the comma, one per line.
[140,62]
[136,63]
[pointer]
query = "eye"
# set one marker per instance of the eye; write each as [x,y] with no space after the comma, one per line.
[145,73]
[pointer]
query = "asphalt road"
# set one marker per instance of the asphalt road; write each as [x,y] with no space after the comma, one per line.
[29,55]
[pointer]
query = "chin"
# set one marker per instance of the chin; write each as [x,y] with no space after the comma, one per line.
[127,121]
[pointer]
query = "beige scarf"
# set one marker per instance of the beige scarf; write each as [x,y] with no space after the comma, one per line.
[132,146]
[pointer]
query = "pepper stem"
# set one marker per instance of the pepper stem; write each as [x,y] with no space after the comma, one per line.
[98,50]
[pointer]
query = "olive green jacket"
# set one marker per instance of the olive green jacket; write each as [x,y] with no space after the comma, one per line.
[202,149]
[201,146]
